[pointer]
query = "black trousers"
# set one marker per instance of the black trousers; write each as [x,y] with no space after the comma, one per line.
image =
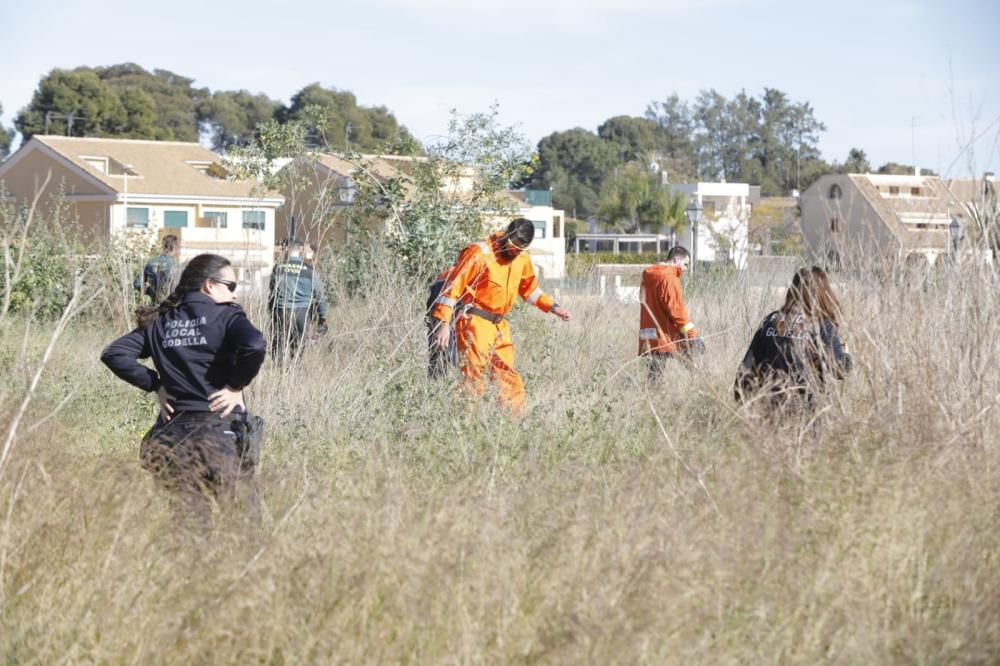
[203,458]
[657,361]
[289,329]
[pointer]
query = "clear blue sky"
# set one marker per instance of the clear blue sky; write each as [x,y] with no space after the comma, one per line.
[869,69]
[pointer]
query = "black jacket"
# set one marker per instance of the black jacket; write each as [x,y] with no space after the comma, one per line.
[800,360]
[197,348]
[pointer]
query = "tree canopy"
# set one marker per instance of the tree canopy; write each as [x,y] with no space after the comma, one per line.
[232,117]
[767,140]
[6,137]
[347,125]
[856,162]
[121,101]
[73,102]
[127,101]
[633,200]
[897,169]
[169,100]
[636,139]
[574,163]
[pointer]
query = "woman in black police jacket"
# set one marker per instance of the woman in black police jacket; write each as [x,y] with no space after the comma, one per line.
[797,349]
[205,352]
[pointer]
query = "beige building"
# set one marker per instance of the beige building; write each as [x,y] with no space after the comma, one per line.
[873,219]
[320,191]
[118,186]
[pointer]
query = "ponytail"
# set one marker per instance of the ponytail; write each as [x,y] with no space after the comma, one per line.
[147,314]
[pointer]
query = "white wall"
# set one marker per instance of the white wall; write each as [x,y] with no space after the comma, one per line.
[250,250]
[723,233]
[548,253]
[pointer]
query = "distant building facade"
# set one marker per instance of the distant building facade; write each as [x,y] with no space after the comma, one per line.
[723,232]
[118,186]
[866,218]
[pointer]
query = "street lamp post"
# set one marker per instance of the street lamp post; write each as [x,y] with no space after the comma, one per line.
[693,212]
[955,231]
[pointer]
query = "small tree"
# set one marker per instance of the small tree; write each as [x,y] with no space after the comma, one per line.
[6,138]
[774,228]
[633,199]
[433,205]
[38,254]
[454,194]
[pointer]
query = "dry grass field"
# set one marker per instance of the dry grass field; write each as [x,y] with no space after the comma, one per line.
[612,524]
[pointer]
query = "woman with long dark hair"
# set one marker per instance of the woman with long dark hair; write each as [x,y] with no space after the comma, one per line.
[205,351]
[797,348]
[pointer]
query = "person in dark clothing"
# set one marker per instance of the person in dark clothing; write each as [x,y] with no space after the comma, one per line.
[295,294]
[797,349]
[438,359]
[159,275]
[205,351]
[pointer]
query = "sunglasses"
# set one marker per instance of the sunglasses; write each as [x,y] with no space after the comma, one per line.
[231,285]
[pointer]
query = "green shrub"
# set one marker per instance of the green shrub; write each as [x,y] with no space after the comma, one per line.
[40,257]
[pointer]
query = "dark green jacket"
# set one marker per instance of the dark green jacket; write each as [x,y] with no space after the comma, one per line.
[159,277]
[295,285]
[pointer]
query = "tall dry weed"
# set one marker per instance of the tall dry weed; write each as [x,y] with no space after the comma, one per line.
[614,523]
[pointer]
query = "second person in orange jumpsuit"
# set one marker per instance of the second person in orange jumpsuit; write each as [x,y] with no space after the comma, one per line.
[486,279]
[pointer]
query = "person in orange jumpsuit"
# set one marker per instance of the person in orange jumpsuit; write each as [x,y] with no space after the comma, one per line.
[484,282]
[665,329]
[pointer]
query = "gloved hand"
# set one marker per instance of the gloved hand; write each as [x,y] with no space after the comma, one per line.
[694,347]
[321,327]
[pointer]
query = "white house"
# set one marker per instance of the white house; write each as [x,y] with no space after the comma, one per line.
[723,231]
[548,249]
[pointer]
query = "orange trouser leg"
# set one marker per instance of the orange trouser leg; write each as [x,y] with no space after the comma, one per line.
[511,386]
[485,349]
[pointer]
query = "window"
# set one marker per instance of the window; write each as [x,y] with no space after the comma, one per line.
[99,163]
[109,165]
[137,217]
[556,226]
[893,190]
[214,219]
[175,219]
[836,192]
[914,191]
[836,225]
[539,229]
[254,219]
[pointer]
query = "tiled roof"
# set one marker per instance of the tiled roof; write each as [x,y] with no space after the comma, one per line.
[967,190]
[162,167]
[892,210]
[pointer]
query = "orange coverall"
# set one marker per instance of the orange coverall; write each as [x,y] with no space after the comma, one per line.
[663,319]
[483,280]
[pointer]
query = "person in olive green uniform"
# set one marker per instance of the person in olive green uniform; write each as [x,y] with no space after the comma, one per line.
[159,275]
[296,295]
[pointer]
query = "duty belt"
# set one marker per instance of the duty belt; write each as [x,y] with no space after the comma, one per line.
[488,316]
